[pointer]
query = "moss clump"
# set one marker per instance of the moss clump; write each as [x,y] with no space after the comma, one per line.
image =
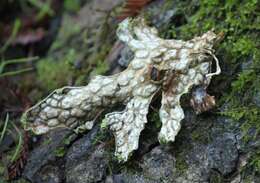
[72,6]
[53,74]
[255,161]
[60,152]
[241,105]
[181,165]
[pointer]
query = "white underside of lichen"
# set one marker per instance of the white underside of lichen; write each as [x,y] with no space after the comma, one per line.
[185,64]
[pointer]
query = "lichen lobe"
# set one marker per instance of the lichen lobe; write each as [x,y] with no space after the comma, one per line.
[172,67]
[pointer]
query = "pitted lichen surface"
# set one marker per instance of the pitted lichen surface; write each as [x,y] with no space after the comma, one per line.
[171,67]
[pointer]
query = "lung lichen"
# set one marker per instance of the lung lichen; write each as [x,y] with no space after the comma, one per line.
[168,66]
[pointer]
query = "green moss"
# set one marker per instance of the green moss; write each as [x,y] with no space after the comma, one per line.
[100,68]
[53,74]
[241,104]
[162,140]
[199,136]
[2,169]
[99,137]
[60,152]
[243,46]
[245,81]
[72,6]
[68,140]
[62,149]
[255,162]
[104,124]
[181,164]
[47,141]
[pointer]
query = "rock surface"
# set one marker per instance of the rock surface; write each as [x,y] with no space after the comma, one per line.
[88,169]
[42,165]
[86,162]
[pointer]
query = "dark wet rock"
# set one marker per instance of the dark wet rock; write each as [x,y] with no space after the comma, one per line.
[159,165]
[204,150]
[88,169]
[6,142]
[223,154]
[212,149]
[86,162]
[196,166]
[49,174]
[44,154]
[128,178]
[81,147]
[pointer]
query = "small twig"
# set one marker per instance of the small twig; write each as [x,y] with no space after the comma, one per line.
[4,128]
[16,61]
[19,60]
[19,145]
[11,73]
[17,25]
[44,8]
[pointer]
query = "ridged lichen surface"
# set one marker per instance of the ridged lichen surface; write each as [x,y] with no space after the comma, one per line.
[170,67]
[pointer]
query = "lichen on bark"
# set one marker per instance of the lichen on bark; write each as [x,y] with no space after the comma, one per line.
[171,67]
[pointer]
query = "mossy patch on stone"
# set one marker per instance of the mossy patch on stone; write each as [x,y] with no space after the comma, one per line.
[181,164]
[238,53]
